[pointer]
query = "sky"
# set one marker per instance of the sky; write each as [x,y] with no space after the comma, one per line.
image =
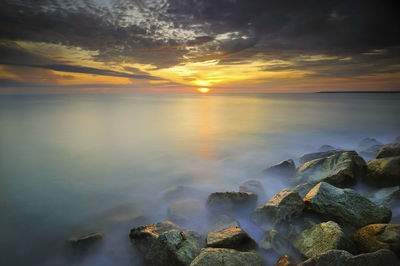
[183,45]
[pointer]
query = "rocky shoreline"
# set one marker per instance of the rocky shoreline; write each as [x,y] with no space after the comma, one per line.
[319,220]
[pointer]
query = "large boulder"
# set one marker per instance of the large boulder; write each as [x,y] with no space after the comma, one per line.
[385,196]
[345,206]
[228,257]
[186,211]
[174,247]
[384,172]
[226,202]
[234,237]
[344,258]
[277,243]
[341,170]
[284,206]
[318,155]
[253,186]
[285,168]
[304,188]
[221,222]
[368,142]
[374,237]
[145,236]
[389,150]
[321,238]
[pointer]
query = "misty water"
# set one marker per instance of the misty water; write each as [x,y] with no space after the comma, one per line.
[72,164]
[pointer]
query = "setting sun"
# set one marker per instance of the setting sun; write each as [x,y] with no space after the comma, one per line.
[203,90]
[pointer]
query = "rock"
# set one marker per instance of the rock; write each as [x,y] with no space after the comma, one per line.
[145,236]
[342,257]
[340,170]
[226,202]
[318,155]
[285,168]
[85,242]
[385,196]
[345,206]
[371,152]
[368,142]
[380,257]
[253,186]
[276,242]
[186,211]
[179,192]
[284,206]
[329,258]
[383,172]
[326,148]
[373,237]
[304,188]
[389,150]
[321,238]
[222,222]
[233,237]
[228,257]
[286,260]
[174,247]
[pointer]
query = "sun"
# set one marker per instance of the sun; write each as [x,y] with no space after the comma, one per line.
[203,90]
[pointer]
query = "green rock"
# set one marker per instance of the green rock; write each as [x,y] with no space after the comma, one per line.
[321,238]
[234,237]
[345,206]
[383,172]
[389,150]
[227,257]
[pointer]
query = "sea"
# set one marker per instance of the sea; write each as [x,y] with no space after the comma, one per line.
[77,163]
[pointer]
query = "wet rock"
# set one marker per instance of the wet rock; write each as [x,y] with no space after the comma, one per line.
[85,242]
[276,242]
[253,186]
[340,170]
[285,168]
[179,192]
[233,237]
[389,150]
[371,152]
[380,257]
[174,247]
[342,257]
[284,206]
[186,211]
[286,260]
[326,148]
[226,202]
[224,256]
[222,222]
[345,206]
[383,172]
[304,188]
[318,155]
[368,142]
[373,237]
[385,196]
[321,238]
[145,236]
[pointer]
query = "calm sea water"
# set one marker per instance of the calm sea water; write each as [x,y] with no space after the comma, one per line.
[70,164]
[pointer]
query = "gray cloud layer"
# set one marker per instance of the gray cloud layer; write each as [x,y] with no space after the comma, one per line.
[168,32]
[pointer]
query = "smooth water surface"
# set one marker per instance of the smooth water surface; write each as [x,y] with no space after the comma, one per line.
[70,164]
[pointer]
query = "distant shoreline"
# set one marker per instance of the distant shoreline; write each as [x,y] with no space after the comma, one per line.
[358,92]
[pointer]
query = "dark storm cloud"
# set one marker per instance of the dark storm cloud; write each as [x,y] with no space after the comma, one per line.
[166,33]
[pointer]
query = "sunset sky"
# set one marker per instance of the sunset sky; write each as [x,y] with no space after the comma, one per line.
[184,45]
